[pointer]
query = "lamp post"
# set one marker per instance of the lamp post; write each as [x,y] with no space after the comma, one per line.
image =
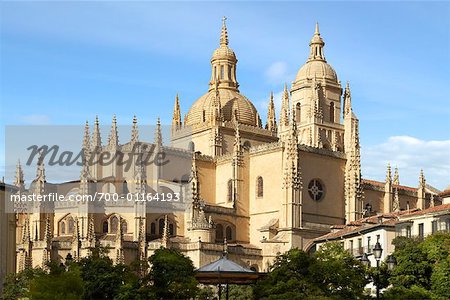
[377,251]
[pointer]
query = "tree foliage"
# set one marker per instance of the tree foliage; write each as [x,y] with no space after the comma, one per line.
[331,273]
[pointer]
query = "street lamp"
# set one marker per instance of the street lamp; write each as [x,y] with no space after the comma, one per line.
[377,251]
[365,260]
[391,262]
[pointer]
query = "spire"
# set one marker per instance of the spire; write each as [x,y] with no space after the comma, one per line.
[316,46]
[216,107]
[158,134]
[194,181]
[48,232]
[396,201]
[396,180]
[271,118]
[113,140]
[347,100]
[224,33]
[422,181]
[388,173]
[86,139]
[165,234]
[40,175]
[134,131]
[96,138]
[284,115]
[176,119]
[19,181]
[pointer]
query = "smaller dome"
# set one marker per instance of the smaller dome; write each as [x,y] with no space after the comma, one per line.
[223,53]
[318,69]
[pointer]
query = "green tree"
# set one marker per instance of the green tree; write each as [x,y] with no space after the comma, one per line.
[338,273]
[171,275]
[17,286]
[57,284]
[102,279]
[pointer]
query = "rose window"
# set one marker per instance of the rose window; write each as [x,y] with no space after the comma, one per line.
[315,189]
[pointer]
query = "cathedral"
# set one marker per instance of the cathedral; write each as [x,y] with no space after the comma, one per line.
[261,187]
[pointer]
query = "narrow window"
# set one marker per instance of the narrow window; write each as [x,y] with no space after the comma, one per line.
[230,190]
[332,112]
[408,231]
[260,187]
[221,72]
[171,232]
[114,224]
[219,232]
[421,230]
[204,116]
[71,225]
[153,228]
[105,226]
[63,227]
[124,226]
[161,226]
[298,113]
[229,233]
[434,226]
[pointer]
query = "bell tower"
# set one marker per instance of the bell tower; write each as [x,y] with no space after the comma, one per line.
[316,100]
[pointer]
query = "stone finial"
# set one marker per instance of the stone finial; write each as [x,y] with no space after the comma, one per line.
[347,100]
[237,152]
[19,179]
[134,131]
[224,33]
[176,118]
[47,232]
[271,123]
[284,114]
[158,134]
[422,181]
[96,137]
[388,173]
[165,234]
[396,201]
[396,180]
[113,140]
[225,247]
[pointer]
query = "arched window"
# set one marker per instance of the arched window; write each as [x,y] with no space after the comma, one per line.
[230,190]
[105,226]
[332,112]
[229,233]
[71,226]
[219,232]
[191,146]
[161,226]
[63,227]
[114,224]
[222,71]
[153,228]
[259,187]
[215,72]
[171,231]
[298,113]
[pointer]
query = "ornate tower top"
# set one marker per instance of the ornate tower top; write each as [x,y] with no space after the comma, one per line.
[316,46]
[284,115]
[158,134]
[19,181]
[223,63]
[396,180]
[176,119]
[388,173]
[271,118]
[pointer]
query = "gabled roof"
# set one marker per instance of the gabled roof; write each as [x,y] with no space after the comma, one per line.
[224,265]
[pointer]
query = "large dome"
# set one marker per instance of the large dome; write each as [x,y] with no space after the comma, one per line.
[230,101]
[318,69]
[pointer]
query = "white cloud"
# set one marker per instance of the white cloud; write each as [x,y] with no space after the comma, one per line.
[35,119]
[277,72]
[409,154]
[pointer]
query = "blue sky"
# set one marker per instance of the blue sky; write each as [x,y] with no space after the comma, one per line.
[65,62]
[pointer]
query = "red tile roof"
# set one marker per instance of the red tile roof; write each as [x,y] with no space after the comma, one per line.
[429,210]
[379,183]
